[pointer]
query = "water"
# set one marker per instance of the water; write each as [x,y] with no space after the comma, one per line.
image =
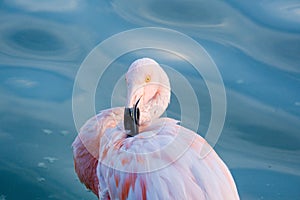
[255,45]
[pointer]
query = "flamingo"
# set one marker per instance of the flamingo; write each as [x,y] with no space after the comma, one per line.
[133,153]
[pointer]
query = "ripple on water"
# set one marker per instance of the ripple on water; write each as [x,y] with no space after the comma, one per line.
[23,183]
[176,13]
[35,84]
[194,12]
[281,14]
[40,39]
[36,40]
[269,137]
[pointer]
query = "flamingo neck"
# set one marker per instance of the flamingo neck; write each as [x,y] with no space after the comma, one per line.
[154,108]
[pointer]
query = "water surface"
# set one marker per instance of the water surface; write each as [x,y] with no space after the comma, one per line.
[256,46]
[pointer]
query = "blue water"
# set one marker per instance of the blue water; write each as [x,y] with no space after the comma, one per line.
[254,44]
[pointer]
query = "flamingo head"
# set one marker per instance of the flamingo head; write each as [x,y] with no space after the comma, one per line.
[148,90]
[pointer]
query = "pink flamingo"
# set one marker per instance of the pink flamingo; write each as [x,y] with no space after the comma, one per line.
[132,153]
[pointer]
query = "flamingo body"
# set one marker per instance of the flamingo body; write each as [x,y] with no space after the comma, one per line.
[162,162]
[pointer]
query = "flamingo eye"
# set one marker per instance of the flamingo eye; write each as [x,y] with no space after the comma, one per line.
[147,79]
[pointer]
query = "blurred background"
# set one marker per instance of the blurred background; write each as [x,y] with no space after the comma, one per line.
[255,45]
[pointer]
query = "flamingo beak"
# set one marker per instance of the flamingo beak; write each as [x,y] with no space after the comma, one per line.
[131,120]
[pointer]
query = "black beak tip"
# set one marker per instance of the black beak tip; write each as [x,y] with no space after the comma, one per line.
[131,121]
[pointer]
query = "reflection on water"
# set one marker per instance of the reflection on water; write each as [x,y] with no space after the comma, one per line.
[256,47]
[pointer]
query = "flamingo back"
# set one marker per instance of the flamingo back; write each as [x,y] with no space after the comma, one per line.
[133,168]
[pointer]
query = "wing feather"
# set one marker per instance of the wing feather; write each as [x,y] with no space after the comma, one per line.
[188,176]
[86,146]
